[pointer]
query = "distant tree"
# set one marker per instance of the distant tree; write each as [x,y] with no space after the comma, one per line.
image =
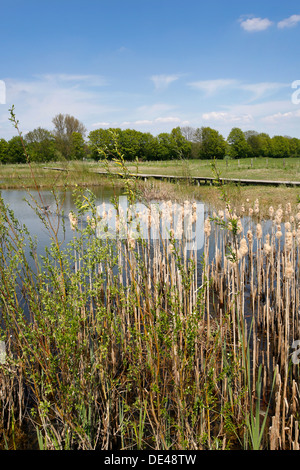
[131,144]
[188,133]
[294,145]
[172,145]
[182,144]
[165,147]
[15,151]
[238,145]
[41,145]
[64,126]
[211,144]
[3,151]
[102,140]
[280,146]
[266,145]
[149,147]
[255,143]
[78,149]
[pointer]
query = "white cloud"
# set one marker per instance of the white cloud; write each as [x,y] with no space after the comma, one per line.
[255,24]
[90,80]
[39,99]
[279,117]
[261,89]
[227,117]
[258,90]
[289,22]
[152,110]
[167,119]
[161,82]
[210,87]
[101,124]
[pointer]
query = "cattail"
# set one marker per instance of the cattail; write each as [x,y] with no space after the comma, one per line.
[271,211]
[256,206]
[250,236]
[131,242]
[171,247]
[239,226]
[207,227]
[243,247]
[73,221]
[258,231]
[289,271]
[250,211]
[287,226]
[289,240]
[279,232]
[278,215]
[267,246]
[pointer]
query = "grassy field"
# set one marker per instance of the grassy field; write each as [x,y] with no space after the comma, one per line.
[247,168]
[85,174]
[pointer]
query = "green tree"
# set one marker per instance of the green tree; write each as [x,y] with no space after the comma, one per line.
[211,144]
[294,145]
[78,149]
[280,146]
[266,145]
[166,148]
[131,144]
[182,144]
[102,140]
[149,147]
[3,151]
[41,145]
[64,126]
[15,151]
[238,146]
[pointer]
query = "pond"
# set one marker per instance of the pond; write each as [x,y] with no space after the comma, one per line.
[23,205]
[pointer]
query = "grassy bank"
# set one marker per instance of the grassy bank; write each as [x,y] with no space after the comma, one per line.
[83,174]
[124,344]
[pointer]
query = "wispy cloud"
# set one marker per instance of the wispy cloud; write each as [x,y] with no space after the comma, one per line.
[211,87]
[227,117]
[289,22]
[257,90]
[39,99]
[281,117]
[263,89]
[64,78]
[161,82]
[255,24]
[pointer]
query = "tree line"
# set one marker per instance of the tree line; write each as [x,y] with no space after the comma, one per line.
[67,141]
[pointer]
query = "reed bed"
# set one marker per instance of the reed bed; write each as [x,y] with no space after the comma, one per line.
[140,339]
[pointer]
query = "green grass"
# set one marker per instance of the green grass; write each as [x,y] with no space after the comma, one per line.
[84,173]
[271,169]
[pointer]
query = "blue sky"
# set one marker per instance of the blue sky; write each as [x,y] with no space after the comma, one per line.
[151,65]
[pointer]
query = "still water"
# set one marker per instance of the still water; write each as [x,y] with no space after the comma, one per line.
[23,204]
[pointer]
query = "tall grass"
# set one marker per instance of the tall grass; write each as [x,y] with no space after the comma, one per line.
[124,343]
